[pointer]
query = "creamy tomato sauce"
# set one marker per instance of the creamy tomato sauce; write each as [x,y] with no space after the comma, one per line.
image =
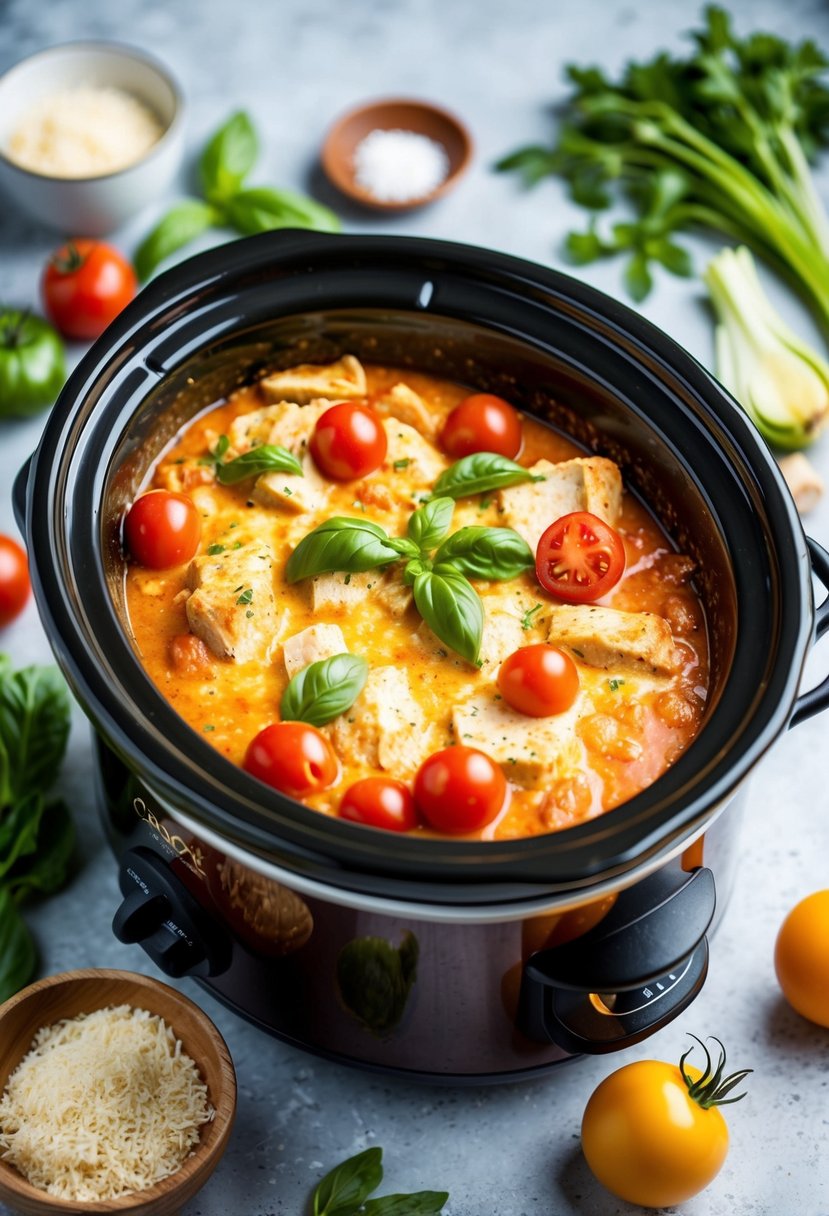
[628,728]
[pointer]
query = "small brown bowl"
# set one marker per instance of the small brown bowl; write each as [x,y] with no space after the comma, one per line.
[422,118]
[65,996]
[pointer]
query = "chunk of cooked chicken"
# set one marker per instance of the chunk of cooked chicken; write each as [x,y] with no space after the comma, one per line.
[614,640]
[338,381]
[587,483]
[311,645]
[302,495]
[407,406]
[385,727]
[285,424]
[231,606]
[531,751]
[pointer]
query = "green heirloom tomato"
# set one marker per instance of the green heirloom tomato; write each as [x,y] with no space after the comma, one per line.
[32,365]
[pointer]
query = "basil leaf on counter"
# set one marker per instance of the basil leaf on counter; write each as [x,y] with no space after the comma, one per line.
[430,523]
[178,228]
[419,1203]
[340,544]
[228,157]
[344,1190]
[19,827]
[267,458]
[452,609]
[34,727]
[48,869]
[493,553]
[478,473]
[18,957]
[262,209]
[324,690]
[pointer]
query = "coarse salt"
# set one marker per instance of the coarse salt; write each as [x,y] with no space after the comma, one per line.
[397,166]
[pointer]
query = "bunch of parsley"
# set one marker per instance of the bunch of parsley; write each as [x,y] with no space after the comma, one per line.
[722,138]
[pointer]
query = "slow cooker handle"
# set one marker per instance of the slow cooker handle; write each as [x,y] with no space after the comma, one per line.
[629,975]
[19,486]
[817,698]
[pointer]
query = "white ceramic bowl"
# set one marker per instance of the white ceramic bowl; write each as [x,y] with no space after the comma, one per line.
[91,206]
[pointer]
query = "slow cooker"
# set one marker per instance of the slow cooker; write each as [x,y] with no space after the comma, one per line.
[443,959]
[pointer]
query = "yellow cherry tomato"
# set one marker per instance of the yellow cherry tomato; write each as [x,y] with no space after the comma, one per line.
[801,957]
[652,1133]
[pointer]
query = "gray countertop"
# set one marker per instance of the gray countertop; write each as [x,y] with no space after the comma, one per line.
[514,1149]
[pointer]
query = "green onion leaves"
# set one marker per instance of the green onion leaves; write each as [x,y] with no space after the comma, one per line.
[324,690]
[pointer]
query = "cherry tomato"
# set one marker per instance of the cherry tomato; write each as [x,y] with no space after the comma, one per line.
[14,580]
[482,423]
[579,558]
[85,285]
[380,803]
[162,529]
[349,440]
[801,957]
[292,757]
[538,680]
[459,790]
[648,1135]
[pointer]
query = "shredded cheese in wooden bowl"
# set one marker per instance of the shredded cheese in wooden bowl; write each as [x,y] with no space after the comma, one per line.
[104,1104]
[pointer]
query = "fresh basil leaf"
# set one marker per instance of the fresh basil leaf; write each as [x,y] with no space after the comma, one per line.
[324,690]
[19,830]
[478,473]
[262,209]
[267,458]
[34,727]
[495,553]
[419,1203]
[417,565]
[403,546]
[340,544]
[452,609]
[178,228]
[349,1184]
[48,869]
[228,158]
[430,523]
[18,957]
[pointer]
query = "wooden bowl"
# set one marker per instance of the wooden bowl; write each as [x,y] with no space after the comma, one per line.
[65,996]
[422,118]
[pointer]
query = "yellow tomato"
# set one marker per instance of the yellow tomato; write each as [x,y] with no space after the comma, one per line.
[652,1133]
[801,957]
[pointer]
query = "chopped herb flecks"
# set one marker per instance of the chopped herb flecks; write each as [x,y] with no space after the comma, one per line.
[402,464]
[246,597]
[213,550]
[527,621]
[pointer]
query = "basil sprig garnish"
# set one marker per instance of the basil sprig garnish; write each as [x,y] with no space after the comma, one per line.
[345,1192]
[341,544]
[267,458]
[442,593]
[324,690]
[479,473]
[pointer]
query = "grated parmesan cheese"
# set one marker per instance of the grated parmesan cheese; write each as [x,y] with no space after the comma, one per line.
[83,132]
[102,1105]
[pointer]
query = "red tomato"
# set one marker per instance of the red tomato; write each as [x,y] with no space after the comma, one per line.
[85,285]
[292,757]
[538,680]
[482,423]
[349,441]
[14,580]
[579,558]
[162,529]
[380,803]
[459,790]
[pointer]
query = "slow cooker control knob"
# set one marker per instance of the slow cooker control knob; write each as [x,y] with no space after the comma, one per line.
[630,974]
[160,914]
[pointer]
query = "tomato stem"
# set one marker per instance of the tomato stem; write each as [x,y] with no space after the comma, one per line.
[68,259]
[711,1089]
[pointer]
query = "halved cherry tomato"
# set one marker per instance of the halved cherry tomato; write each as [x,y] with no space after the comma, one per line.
[538,680]
[162,529]
[801,957]
[14,580]
[349,441]
[654,1136]
[482,423]
[292,757]
[459,790]
[85,286]
[380,802]
[579,558]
